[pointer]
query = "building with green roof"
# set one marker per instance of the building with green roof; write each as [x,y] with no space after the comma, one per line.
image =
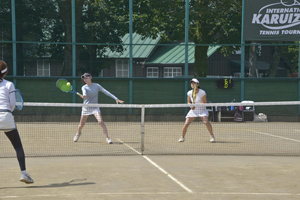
[151,59]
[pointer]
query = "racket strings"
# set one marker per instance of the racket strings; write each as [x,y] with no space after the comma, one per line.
[19,99]
[62,85]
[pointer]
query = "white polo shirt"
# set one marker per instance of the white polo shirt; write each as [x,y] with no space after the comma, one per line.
[198,111]
[7,95]
[7,102]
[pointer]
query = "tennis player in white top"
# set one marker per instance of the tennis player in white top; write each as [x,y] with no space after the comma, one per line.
[197,111]
[90,96]
[7,122]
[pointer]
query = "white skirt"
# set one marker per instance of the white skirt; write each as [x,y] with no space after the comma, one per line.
[7,121]
[90,110]
[198,112]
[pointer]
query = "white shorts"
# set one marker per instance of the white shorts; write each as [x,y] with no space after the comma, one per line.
[90,110]
[7,121]
[198,112]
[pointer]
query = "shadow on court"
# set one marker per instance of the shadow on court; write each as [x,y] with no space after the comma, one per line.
[228,142]
[153,177]
[64,184]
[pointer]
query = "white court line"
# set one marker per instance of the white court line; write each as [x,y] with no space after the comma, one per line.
[161,169]
[200,193]
[130,147]
[276,136]
[169,175]
[156,193]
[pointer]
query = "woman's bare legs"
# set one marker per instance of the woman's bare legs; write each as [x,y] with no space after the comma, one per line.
[209,128]
[101,123]
[188,121]
[208,125]
[80,127]
[82,123]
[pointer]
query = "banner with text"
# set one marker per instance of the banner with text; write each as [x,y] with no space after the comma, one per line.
[272,20]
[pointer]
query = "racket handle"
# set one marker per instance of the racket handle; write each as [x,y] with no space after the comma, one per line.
[79,94]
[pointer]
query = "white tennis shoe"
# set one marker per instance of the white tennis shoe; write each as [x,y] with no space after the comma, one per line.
[77,137]
[26,178]
[181,139]
[108,141]
[212,139]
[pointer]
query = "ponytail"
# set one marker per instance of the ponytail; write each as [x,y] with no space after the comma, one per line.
[3,70]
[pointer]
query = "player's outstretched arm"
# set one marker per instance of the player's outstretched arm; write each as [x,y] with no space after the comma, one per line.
[119,101]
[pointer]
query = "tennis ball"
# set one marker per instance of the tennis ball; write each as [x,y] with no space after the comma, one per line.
[68,83]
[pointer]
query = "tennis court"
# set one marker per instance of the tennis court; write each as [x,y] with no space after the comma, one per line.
[249,160]
[135,177]
[56,139]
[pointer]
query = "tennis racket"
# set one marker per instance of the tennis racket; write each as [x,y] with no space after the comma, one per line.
[19,99]
[62,85]
[194,93]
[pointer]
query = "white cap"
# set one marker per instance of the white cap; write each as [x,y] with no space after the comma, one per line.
[194,80]
[86,75]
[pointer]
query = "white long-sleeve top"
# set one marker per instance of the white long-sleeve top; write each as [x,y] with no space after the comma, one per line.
[7,95]
[91,93]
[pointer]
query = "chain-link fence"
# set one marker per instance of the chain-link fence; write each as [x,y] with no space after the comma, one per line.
[138,44]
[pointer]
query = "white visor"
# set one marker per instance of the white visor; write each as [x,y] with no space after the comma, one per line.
[4,70]
[194,80]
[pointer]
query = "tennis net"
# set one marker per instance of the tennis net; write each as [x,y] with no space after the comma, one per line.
[261,128]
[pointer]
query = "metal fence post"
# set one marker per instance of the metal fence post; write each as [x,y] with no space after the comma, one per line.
[142,128]
[243,54]
[14,40]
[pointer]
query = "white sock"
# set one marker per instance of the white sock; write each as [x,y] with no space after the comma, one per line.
[24,171]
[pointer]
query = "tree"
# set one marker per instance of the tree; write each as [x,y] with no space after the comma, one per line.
[30,21]
[253,61]
[96,22]
[278,50]
[292,55]
[106,21]
[210,22]
[44,29]
[5,24]
[214,22]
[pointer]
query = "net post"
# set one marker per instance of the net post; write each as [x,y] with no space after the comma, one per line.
[219,116]
[142,128]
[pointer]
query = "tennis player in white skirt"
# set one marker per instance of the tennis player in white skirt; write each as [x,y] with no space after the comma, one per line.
[197,111]
[90,96]
[7,122]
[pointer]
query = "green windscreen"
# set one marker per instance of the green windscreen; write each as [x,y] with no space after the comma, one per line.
[62,85]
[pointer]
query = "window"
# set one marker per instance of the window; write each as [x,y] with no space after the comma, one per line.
[152,72]
[258,51]
[122,68]
[101,73]
[43,68]
[170,72]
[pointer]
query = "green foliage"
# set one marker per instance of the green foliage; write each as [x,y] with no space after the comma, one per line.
[100,25]
[292,55]
[210,22]
[31,19]
[46,27]
[97,25]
